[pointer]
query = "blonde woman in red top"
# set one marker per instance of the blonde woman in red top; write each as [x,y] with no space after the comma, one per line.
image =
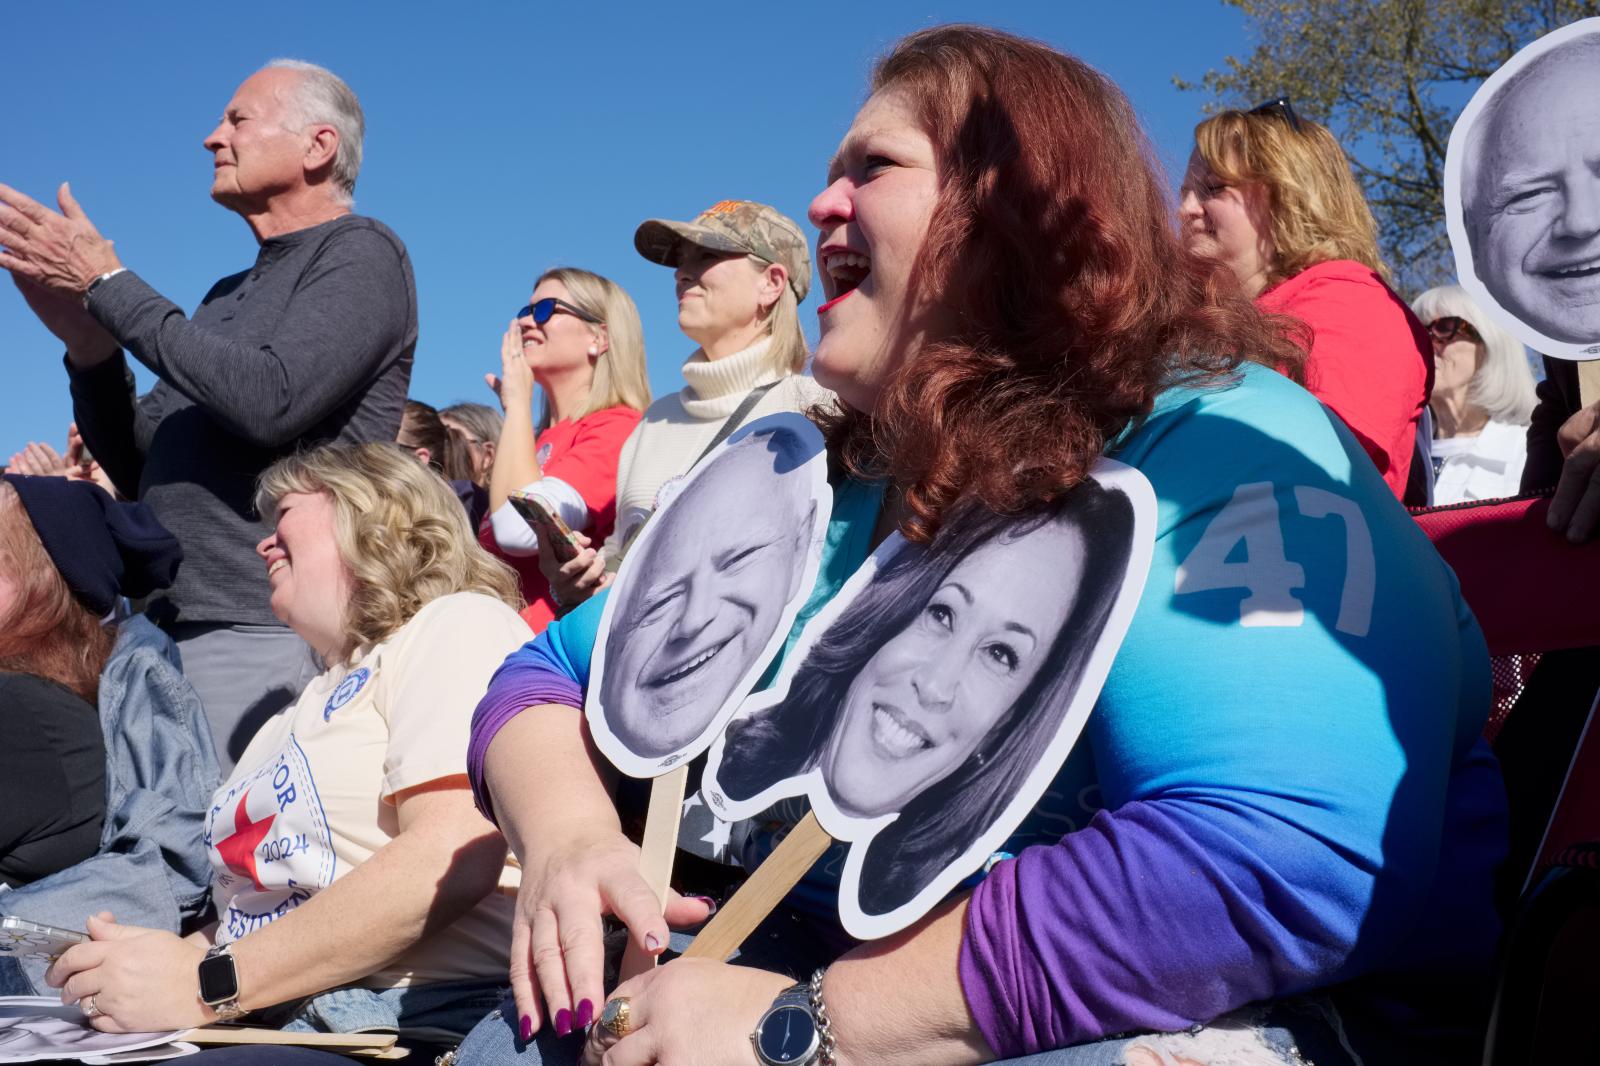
[580,340]
[1271,197]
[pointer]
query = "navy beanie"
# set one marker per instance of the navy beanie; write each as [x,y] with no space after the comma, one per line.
[103,548]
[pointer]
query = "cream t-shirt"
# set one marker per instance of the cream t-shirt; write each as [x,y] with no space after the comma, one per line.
[312,797]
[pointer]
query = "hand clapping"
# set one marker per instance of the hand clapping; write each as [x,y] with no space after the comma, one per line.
[63,252]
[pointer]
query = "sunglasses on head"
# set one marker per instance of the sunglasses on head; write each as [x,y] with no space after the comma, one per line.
[1446,329]
[541,310]
[1280,107]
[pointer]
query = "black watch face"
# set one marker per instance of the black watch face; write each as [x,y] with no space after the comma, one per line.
[787,1035]
[218,981]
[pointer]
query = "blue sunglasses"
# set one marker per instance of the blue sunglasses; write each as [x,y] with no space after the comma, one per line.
[541,310]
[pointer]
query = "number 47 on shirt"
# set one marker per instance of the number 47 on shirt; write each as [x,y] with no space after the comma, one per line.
[1265,572]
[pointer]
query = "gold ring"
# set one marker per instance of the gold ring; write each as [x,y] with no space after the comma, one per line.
[614,1017]
[88,1007]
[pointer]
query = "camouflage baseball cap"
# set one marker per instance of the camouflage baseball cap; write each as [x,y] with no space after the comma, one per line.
[732,226]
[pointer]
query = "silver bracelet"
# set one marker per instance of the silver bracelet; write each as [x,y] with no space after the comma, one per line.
[819,1011]
[89,291]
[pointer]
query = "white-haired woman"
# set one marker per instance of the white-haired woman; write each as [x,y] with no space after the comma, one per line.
[345,848]
[741,269]
[1482,399]
[580,340]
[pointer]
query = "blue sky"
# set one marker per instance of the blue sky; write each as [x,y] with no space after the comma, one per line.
[502,138]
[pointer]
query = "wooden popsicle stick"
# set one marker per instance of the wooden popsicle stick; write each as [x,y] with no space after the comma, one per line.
[757,897]
[656,852]
[245,1034]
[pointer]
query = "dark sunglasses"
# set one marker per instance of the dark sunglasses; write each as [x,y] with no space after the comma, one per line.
[1280,107]
[1446,329]
[541,310]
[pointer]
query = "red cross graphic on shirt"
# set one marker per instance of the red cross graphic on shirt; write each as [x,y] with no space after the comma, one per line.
[239,851]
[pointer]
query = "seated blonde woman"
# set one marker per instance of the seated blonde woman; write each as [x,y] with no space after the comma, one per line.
[346,850]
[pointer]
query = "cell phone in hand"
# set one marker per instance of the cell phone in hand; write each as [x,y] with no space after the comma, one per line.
[554,534]
[21,939]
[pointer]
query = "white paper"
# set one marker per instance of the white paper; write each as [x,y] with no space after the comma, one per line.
[34,1028]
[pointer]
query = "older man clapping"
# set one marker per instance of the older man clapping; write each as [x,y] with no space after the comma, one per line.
[313,343]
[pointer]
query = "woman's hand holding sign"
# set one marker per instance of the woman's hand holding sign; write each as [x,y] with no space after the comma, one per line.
[691,1010]
[556,941]
[578,867]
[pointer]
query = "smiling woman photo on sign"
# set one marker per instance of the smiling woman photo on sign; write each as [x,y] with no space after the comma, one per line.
[929,700]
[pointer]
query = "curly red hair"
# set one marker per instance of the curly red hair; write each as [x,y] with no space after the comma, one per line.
[1053,247]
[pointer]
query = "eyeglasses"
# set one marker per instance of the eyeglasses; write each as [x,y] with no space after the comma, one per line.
[1446,329]
[1280,107]
[541,310]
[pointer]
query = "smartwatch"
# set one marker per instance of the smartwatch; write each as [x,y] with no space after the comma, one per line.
[219,983]
[788,1034]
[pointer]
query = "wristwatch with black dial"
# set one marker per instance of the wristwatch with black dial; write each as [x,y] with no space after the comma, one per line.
[788,1034]
[219,983]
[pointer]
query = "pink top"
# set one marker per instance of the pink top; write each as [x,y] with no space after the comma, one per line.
[1371,360]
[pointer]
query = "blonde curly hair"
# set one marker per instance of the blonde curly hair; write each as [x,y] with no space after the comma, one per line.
[1318,210]
[400,530]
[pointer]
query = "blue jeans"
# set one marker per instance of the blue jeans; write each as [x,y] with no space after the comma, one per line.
[1292,1033]
[429,1014]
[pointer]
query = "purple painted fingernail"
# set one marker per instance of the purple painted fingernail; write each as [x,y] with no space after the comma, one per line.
[527,1028]
[711,904]
[585,1014]
[652,943]
[563,1022]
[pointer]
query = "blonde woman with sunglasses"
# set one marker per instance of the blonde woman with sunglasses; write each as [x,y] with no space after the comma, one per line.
[580,341]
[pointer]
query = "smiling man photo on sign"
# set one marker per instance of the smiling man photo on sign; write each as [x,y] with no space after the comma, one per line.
[1530,193]
[710,588]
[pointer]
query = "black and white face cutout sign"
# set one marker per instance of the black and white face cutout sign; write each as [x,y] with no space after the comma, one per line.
[926,709]
[1522,193]
[708,594]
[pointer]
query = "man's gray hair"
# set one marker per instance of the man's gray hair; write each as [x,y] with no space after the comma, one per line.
[322,97]
[1584,49]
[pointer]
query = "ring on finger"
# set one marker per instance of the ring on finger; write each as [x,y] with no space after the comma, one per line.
[87,1005]
[616,1017]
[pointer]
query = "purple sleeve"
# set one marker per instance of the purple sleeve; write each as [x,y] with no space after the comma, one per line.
[529,677]
[1158,916]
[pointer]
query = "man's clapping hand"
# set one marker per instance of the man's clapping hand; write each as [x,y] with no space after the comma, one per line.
[60,252]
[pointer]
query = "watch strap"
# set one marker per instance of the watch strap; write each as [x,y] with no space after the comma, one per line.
[227,1008]
[796,996]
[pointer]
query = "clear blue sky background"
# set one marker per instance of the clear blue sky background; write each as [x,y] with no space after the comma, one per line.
[502,138]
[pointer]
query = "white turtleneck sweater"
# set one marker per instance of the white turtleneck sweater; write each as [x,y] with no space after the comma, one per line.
[677,428]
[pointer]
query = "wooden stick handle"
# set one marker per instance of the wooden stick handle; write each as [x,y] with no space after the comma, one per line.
[656,853]
[766,888]
[210,1035]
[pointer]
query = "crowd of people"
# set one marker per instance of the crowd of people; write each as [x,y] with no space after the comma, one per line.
[294,685]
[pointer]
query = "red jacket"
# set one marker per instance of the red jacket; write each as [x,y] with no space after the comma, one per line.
[582,452]
[1371,360]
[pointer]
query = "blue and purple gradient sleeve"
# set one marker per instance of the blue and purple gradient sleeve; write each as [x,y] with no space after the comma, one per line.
[551,668]
[1294,792]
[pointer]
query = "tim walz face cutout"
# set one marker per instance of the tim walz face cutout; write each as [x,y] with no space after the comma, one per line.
[711,588]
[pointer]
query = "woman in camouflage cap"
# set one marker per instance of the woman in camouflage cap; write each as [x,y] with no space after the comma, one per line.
[741,270]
